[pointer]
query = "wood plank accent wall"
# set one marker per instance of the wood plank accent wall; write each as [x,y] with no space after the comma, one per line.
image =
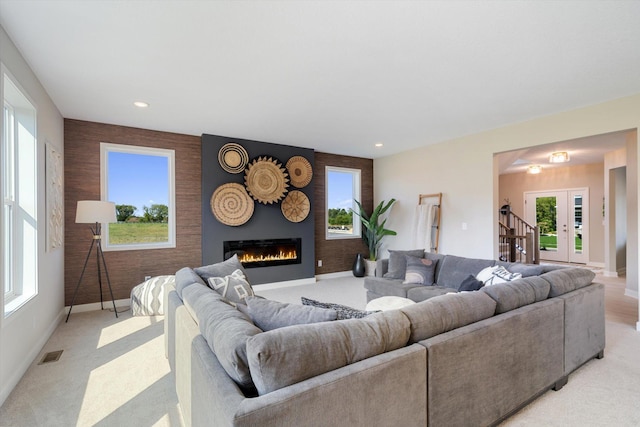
[82,182]
[338,255]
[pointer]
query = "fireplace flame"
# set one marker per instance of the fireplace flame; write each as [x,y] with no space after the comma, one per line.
[281,255]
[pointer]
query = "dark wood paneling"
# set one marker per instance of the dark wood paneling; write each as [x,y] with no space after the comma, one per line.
[82,182]
[338,255]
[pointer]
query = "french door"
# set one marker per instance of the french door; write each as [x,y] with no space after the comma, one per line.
[562,221]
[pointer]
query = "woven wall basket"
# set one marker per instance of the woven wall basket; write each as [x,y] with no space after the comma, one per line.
[266,180]
[300,171]
[295,207]
[233,157]
[231,205]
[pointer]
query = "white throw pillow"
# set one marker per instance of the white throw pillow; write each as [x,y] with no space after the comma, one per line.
[486,274]
[497,274]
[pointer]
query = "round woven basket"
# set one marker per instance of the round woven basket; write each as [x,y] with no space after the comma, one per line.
[266,180]
[233,157]
[231,205]
[295,207]
[300,171]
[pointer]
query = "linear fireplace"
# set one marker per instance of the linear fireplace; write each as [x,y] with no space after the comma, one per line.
[264,253]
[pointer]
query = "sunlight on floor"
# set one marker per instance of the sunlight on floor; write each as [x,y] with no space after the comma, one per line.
[112,333]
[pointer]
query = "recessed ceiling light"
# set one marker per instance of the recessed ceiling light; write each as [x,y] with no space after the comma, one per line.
[534,169]
[141,104]
[559,157]
[379,144]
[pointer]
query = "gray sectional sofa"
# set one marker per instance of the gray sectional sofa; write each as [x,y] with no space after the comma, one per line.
[453,359]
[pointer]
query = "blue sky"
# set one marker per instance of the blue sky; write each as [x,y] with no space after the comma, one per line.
[340,190]
[138,180]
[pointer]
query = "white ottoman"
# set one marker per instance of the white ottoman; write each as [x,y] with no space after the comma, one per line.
[388,303]
[147,298]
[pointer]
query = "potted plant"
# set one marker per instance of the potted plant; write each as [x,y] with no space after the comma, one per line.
[373,232]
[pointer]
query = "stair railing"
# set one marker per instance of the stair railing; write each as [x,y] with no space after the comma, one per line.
[518,240]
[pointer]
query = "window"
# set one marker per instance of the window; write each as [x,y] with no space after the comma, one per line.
[19,195]
[141,182]
[342,188]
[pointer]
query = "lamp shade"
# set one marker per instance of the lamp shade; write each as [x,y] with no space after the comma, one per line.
[91,211]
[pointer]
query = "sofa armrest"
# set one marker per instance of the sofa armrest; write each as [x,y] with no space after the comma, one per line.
[382,266]
[357,394]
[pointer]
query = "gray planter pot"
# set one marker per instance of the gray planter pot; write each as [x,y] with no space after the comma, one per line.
[369,268]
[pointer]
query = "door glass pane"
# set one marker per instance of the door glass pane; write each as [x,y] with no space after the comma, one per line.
[577,223]
[547,220]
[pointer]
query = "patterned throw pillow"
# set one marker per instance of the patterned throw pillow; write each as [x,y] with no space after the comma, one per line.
[344,312]
[496,274]
[398,263]
[420,271]
[234,287]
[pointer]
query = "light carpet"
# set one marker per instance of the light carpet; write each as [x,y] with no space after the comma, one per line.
[113,372]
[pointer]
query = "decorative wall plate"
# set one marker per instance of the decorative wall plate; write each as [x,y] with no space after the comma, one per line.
[295,207]
[233,157]
[300,171]
[266,180]
[231,205]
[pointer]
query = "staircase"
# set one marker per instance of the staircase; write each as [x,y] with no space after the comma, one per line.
[518,240]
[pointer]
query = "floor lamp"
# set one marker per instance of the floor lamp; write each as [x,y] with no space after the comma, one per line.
[95,212]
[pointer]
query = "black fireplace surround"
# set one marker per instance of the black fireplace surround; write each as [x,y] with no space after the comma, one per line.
[265,252]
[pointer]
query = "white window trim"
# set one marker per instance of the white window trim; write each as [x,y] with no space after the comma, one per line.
[105,148]
[355,191]
[23,289]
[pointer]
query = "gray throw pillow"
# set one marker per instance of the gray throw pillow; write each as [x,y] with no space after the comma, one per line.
[398,263]
[344,312]
[234,287]
[220,269]
[420,271]
[268,315]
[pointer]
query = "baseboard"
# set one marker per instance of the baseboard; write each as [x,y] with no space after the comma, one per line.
[94,306]
[286,284]
[595,264]
[610,273]
[335,275]
[632,294]
[622,271]
[18,373]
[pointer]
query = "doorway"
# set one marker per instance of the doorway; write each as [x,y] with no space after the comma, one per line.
[563,223]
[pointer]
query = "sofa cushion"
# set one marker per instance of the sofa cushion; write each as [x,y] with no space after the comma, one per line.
[567,279]
[390,287]
[420,271]
[453,270]
[446,312]
[233,287]
[398,263]
[268,314]
[527,270]
[511,295]
[225,329]
[422,293]
[286,356]
[186,276]
[344,312]
[220,269]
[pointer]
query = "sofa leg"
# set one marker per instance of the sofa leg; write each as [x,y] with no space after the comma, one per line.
[561,383]
[600,355]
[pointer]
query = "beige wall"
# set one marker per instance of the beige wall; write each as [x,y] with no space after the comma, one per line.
[464,170]
[512,186]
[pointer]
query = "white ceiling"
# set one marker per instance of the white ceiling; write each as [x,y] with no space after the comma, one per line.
[334,76]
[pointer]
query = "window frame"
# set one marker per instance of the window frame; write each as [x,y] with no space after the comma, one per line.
[105,149]
[19,192]
[356,191]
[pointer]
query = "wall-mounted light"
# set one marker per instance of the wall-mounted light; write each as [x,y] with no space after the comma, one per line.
[559,157]
[534,169]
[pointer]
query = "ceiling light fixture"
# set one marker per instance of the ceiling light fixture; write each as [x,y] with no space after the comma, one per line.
[141,104]
[534,169]
[379,144]
[559,157]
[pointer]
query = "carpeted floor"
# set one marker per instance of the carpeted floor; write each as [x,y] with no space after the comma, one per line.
[113,371]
